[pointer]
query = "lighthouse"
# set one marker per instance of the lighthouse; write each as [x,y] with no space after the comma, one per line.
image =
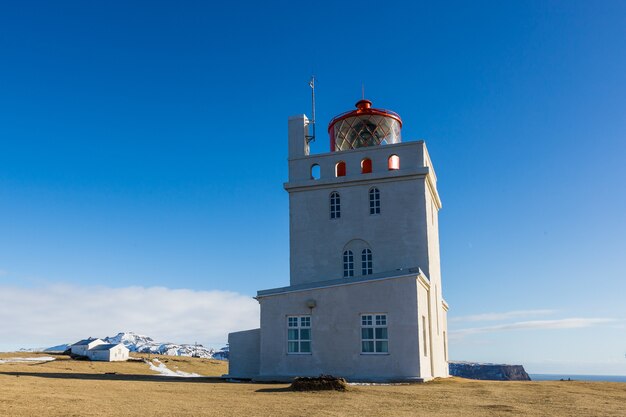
[365,297]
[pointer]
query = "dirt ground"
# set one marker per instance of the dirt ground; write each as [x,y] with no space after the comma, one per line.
[76,388]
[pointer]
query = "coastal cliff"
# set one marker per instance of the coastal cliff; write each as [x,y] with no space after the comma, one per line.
[488,371]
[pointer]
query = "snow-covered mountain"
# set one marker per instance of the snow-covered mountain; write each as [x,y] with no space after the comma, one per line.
[144,344]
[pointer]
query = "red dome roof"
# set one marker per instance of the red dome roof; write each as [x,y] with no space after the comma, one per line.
[365,126]
[364,107]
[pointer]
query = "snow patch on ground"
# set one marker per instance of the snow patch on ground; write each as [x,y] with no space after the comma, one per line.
[367,384]
[18,360]
[165,371]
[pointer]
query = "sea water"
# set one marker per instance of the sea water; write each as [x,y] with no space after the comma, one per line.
[558,377]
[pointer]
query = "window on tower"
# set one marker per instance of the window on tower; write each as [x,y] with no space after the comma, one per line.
[366,262]
[374,201]
[348,264]
[315,172]
[340,169]
[335,205]
[393,163]
[366,166]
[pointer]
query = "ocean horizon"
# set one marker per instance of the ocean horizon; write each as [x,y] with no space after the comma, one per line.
[576,377]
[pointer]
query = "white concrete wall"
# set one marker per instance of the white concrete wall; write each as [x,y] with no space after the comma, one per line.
[118,353]
[446,343]
[424,333]
[98,355]
[397,236]
[298,130]
[336,331]
[439,323]
[244,354]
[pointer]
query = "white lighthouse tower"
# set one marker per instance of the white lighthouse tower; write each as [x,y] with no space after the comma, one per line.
[364,300]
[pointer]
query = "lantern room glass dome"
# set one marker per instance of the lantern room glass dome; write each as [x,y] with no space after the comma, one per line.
[363,127]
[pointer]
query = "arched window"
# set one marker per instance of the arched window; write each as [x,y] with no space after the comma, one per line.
[374,201]
[393,162]
[366,262]
[348,264]
[315,172]
[340,169]
[356,247]
[335,205]
[366,166]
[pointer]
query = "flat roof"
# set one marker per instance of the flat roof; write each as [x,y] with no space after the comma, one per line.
[398,273]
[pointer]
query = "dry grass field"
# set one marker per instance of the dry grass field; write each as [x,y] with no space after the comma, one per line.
[76,388]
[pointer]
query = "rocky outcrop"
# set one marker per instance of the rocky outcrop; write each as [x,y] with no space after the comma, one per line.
[488,371]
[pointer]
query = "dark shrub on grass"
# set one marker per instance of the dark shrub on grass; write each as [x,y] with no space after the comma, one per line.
[320,383]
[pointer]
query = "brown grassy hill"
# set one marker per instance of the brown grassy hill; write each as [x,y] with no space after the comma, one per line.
[77,388]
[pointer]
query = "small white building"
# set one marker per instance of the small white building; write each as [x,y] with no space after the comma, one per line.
[80,348]
[365,300]
[108,353]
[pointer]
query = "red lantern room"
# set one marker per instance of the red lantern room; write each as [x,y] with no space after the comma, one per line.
[365,126]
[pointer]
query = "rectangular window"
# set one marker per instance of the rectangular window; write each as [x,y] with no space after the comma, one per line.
[366,262]
[348,264]
[374,201]
[299,334]
[335,205]
[374,337]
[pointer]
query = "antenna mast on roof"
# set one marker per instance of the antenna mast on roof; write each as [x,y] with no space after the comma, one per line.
[311,138]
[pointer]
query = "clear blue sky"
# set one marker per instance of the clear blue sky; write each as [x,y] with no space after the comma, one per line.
[144,145]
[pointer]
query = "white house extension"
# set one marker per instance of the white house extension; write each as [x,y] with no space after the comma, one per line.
[365,298]
[99,350]
[109,353]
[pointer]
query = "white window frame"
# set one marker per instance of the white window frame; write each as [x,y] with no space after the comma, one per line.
[335,205]
[348,263]
[374,195]
[298,324]
[366,262]
[375,321]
